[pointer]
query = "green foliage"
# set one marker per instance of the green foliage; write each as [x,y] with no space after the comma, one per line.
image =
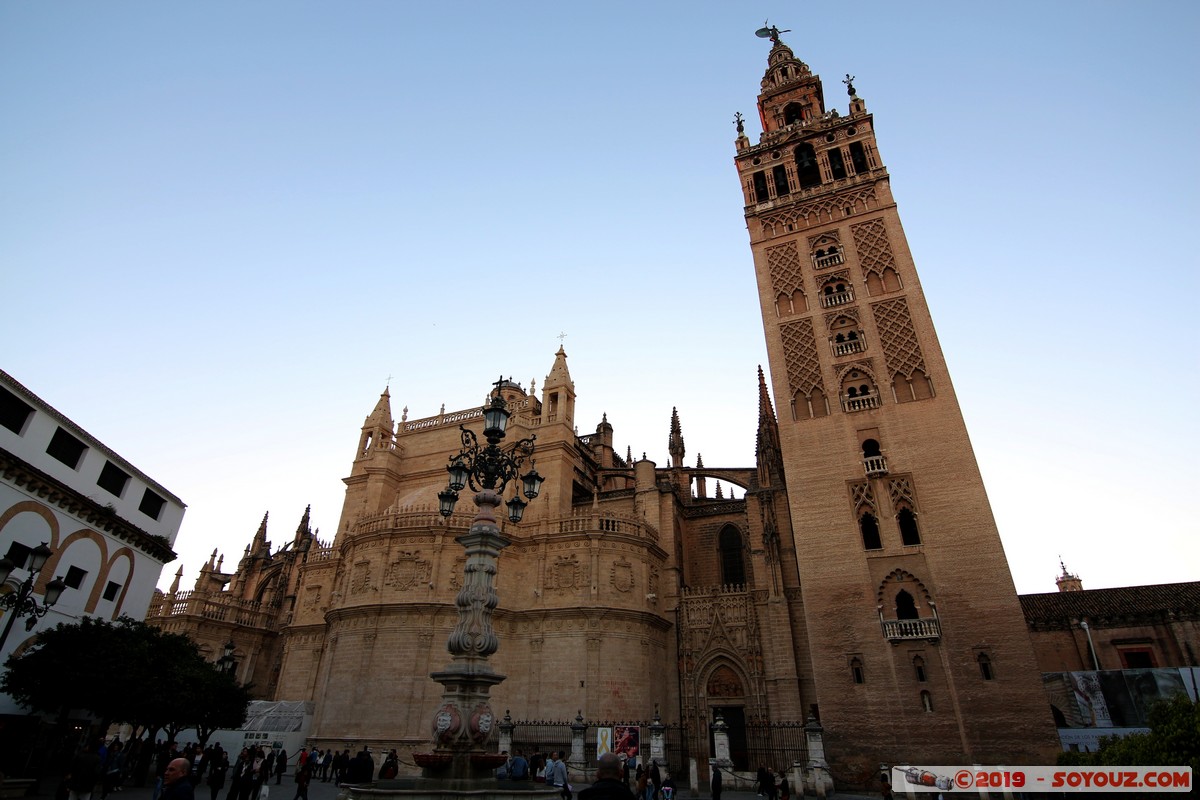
[1173,740]
[125,671]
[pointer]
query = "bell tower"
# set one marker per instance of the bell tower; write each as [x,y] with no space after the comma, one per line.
[919,648]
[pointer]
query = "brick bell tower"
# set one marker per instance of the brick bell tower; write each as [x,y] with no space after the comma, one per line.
[920,650]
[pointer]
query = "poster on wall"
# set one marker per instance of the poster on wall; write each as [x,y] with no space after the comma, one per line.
[604,741]
[627,741]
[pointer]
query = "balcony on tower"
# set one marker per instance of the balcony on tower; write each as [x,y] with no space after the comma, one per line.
[897,630]
[875,465]
[824,259]
[831,299]
[860,402]
[848,344]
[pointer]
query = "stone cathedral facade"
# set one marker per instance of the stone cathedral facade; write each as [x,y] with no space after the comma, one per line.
[858,576]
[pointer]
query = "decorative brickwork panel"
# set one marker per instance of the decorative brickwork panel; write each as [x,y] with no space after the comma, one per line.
[849,313]
[824,240]
[818,211]
[902,494]
[901,350]
[862,497]
[783,263]
[800,357]
[871,242]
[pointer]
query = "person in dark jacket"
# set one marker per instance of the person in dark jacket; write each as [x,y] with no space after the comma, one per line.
[176,783]
[85,772]
[608,785]
[218,768]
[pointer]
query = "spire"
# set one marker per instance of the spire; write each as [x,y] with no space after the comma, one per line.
[767,452]
[791,94]
[378,431]
[675,440]
[559,374]
[1068,582]
[558,392]
[260,547]
[303,527]
[175,583]
[720,495]
[381,415]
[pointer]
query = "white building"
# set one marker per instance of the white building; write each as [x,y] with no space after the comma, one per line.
[111,528]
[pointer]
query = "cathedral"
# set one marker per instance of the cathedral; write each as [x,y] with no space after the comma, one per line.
[859,578]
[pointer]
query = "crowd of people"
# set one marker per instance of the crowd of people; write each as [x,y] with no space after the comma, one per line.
[641,782]
[109,767]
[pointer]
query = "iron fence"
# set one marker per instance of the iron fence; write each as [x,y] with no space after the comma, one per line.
[543,736]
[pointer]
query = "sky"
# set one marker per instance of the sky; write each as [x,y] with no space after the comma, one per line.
[225,227]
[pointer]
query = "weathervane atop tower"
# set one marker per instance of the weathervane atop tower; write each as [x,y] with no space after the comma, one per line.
[768,31]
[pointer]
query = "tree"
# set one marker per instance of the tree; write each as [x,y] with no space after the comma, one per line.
[125,671]
[1173,740]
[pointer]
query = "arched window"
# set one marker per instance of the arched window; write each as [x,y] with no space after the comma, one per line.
[985,667]
[837,166]
[793,112]
[806,166]
[906,607]
[733,568]
[870,448]
[907,521]
[919,668]
[858,157]
[927,701]
[760,187]
[856,670]
[779,173]
[870,532]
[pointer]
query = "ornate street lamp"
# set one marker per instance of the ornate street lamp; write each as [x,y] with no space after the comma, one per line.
[488,468]
[464,724]
[227,663]
[21,602]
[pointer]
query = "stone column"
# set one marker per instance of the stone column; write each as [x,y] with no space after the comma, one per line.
[818,780]
[506,730]
[658,739]
[720,733]
[578,761]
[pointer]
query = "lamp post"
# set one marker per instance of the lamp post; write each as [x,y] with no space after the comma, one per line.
[465,722]
[226,663]
[21,602]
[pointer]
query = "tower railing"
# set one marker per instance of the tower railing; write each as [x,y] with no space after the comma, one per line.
[836,299]
[848,347]
[830,260]
[423,518]
[860,403]
[875,465]
[898,629]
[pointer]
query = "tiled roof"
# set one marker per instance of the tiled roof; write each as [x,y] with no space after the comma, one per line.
[1115,606]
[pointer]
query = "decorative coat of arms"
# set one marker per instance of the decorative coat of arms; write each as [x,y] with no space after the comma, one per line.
[565,573]
[360,578]
[622,575]
[407,571]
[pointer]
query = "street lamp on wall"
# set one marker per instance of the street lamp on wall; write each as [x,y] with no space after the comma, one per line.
[21,602]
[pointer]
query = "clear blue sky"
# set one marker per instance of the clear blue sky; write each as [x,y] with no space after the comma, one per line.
[223,225]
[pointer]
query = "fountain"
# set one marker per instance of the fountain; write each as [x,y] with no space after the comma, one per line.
[464,725]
